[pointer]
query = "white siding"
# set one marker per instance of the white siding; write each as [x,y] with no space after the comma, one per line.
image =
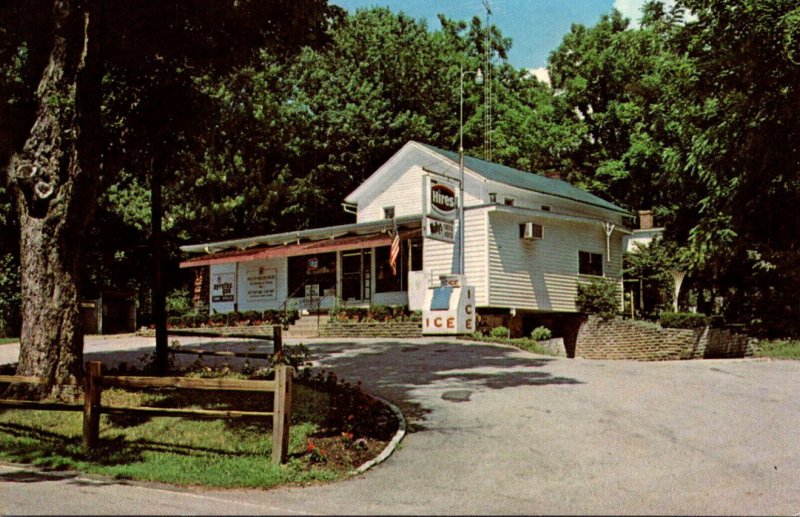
[440,257]
[543,274]
[475,252]
[403,188]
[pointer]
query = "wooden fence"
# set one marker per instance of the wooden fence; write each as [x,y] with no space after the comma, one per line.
[276,338]
[95,381]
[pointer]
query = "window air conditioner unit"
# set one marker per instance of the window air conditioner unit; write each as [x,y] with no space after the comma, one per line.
[532,231]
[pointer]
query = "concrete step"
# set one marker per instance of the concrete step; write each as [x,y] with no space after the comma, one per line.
[307,326]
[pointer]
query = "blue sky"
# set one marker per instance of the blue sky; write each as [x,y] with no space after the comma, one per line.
[536,27]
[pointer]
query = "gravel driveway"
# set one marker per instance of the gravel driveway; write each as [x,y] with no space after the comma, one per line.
[497,430]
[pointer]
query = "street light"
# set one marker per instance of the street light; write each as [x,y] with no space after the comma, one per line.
[478,80]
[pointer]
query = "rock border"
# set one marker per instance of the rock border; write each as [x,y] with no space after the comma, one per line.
[395,441]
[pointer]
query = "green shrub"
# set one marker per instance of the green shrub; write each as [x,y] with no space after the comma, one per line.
[683,320]
[541,334]
[174,321]
[178,302]
[186,321]
[600,296]
[379,313]
[499,332]
[252,316]
[218,319]
[10,300]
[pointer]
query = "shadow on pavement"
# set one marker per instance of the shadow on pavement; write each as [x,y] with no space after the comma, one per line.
[394,370]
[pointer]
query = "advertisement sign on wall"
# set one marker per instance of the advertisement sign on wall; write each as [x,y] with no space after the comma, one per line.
[440,199]
[222,285]
[261,283]
[439,230]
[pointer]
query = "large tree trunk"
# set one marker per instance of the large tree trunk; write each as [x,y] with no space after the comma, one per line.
[53,180]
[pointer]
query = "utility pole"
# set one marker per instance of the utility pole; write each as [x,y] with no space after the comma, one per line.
[487,93]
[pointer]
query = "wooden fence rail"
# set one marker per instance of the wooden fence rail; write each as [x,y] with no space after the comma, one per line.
[95,381]
[276,338]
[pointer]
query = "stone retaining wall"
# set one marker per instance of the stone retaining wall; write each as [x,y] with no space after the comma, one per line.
[395,329]
[624,339]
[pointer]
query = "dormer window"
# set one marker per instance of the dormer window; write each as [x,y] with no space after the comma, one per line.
[388,212]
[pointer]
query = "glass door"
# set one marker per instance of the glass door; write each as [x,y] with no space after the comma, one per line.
[356,275]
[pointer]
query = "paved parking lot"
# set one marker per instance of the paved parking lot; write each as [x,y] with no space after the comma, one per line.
[497,430]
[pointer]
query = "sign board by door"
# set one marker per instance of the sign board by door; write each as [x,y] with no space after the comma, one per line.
[261,283]
[222,287]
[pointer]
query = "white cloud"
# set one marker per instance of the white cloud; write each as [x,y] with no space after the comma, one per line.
[633,9]
[630,9]
[541,74]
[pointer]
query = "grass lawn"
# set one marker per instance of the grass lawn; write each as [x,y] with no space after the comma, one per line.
[523,343]
[779,349]
[5,340]
[185,451]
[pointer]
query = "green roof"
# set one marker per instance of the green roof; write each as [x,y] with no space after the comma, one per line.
[528,180]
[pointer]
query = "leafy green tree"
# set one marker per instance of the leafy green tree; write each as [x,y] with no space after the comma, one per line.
[742,154]
[59,58]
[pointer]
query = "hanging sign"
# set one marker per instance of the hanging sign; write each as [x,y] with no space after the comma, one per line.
[222,287]
[261,283]
[439,230]
[440,199]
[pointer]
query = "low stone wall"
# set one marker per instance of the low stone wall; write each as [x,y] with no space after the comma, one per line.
[640,341]
[395,329]
[255,330]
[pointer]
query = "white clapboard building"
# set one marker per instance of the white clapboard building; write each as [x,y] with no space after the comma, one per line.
[529,241]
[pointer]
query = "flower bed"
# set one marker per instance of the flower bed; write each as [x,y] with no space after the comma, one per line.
[374,313]
[234,319]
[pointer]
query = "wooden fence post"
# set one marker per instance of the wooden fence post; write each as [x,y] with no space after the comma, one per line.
[281,413]
[91,404]
[277,340]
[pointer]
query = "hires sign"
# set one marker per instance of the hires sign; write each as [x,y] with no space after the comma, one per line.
[440,199]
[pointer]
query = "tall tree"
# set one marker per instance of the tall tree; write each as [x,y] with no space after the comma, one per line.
[744,154]
[53,151]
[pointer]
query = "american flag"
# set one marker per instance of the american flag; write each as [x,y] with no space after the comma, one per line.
[394,252]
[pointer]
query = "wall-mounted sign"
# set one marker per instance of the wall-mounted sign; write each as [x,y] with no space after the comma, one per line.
[313,263]
[439,230]
[261,283]
[440,199]
[222,285]
[312,291]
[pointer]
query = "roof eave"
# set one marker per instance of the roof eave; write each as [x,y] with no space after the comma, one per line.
[310,234]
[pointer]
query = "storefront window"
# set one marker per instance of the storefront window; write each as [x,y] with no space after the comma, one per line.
[385,281]
[309,270]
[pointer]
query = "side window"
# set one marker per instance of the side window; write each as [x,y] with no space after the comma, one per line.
[388,212]
[492,197]
[590,263]
[509,201]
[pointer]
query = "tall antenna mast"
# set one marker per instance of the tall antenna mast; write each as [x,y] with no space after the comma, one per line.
[487,89]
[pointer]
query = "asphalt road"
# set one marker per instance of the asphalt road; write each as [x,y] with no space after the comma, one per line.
[497,430]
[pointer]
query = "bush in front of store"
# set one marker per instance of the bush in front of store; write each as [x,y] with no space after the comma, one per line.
[541,334]
[500,332]
[234,319]
[683,320]
[374,313]
[599,296]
